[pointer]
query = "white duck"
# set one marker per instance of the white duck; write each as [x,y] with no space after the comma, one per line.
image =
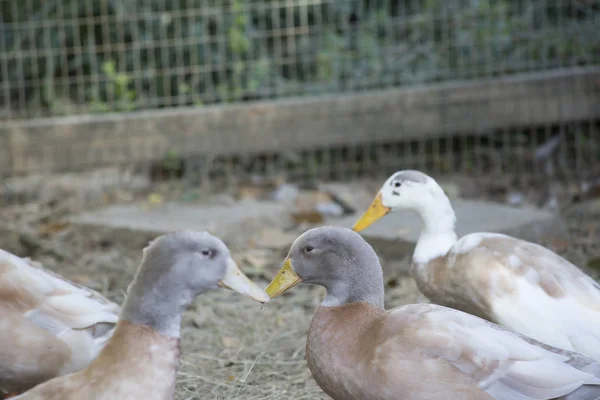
[514,283]
[49,326]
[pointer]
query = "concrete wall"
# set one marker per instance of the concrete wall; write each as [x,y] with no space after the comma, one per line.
[74,143]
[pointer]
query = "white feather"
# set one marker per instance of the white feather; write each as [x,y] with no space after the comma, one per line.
[506,366]
[560,322]
[69,311]
[532,290]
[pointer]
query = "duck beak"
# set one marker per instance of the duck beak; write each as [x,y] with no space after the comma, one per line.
[235,280]
[375,211]
[285,279]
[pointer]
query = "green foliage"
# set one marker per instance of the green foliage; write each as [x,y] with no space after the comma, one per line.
[122,55]
[172,161]
[116,91]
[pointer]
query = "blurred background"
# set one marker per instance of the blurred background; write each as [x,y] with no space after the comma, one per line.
[256,119]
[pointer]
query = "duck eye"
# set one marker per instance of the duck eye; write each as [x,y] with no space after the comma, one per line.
[206,252]
[397,184]
[309,249]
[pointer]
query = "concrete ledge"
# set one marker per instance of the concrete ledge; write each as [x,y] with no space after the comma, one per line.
[78,142]
[234,224]
[262,222]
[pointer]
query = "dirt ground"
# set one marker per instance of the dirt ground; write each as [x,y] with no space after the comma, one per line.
[232,348]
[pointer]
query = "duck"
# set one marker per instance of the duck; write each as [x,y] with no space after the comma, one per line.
[357,350]
[141,359]
[517,284]
[49,325]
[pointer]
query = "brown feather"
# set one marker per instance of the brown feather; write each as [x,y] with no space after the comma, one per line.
[138,363]
[357,351]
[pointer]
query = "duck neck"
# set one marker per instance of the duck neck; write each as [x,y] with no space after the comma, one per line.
[147,360]
[438,234]
[365,285]
[154,302]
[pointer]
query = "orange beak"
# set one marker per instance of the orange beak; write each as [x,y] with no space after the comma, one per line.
[375,211]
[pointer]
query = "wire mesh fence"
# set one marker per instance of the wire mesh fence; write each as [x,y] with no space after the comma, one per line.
[70,57]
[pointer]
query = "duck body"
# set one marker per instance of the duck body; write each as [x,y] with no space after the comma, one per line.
[517,284]
[426,351]
[358,350]
[49,326]
[351,356]
[144,361]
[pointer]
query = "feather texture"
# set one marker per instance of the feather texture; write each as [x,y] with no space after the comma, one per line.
[427,351]
[504,364]
[47,317]
[519,285]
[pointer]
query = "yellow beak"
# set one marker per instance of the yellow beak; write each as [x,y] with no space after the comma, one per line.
[286,279]
[375,211]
